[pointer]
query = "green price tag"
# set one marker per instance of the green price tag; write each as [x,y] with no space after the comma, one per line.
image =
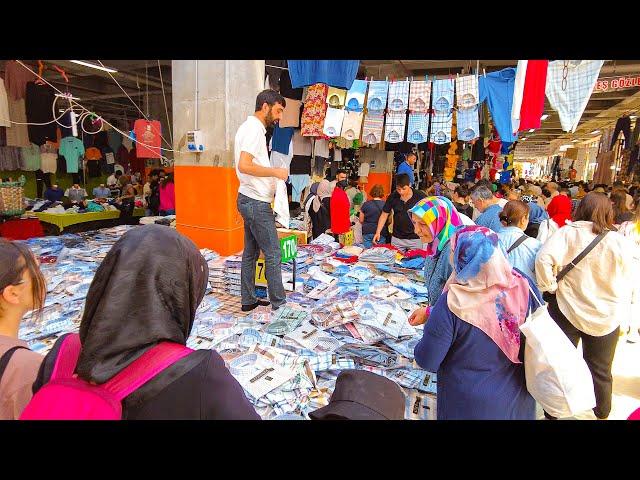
[289,248]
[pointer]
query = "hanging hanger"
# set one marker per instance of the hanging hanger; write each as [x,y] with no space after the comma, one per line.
[39,81]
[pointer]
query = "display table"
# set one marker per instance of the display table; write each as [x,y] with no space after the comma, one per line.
[65,220]
[21,229]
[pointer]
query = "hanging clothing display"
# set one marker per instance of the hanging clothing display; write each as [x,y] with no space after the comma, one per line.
[622,125]
[377,98]
[372,128]
[115,139]
[352,125]
[18,133]
[355,96]
[321,148]
[467,91]
[336,97]
[93,153]
[518,90]
[441,125]
[148,136]
[72,149]
[122,158]
[420,96]
[333,122]
[300,165]
[16,78]
[48,158]
[533,95]
[39,101]
[298,184]
[395,127]
[418,127]
[301,145]
[10,158]
[291,114]
[398,96]
[30,156]
[315,110]
[5,119]
[603,168]
[443,95]
[281,139]
[286,90]
[497,89]
[273,73]
[468,124]
[335,73]
[569,87]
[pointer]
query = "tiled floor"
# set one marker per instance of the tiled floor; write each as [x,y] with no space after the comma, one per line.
[626,383]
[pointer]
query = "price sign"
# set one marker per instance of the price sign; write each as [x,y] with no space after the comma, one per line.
[289,248]
[347,238]
[261,278]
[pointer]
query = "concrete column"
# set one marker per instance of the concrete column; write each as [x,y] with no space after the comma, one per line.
[206,183]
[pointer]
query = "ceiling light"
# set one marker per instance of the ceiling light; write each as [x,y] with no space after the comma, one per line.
[523,139]
[575,141]
[93,65]
[544,117]
[532,130]
[594,132]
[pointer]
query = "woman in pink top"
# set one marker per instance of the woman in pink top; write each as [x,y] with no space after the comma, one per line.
[22,289]
[168,196]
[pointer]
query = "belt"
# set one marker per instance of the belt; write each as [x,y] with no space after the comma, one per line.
[243,365]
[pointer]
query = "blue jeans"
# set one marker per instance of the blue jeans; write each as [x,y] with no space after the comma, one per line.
[260,234]
[367,240]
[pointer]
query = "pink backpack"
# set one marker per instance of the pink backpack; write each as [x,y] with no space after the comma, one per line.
[67,397]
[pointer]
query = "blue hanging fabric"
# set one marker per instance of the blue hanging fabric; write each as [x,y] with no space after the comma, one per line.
[335,73]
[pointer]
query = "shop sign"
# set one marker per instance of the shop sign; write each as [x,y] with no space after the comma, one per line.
[617,83]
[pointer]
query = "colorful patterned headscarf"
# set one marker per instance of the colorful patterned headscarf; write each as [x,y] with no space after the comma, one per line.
[441,217]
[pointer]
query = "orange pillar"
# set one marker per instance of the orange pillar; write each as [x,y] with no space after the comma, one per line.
[215,97]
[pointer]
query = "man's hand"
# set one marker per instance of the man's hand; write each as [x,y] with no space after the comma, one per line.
[281,173]
[376,237]
[418,317]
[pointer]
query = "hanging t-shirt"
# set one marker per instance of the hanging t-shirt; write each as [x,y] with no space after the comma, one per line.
[30,158]
[17,134]
[497,89]
[93,153]
[38,104]
[147,133]
[72,149]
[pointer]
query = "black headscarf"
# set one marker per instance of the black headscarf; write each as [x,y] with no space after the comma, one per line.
[146,291]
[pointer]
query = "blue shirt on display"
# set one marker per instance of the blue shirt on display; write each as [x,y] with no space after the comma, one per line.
[335,73]
[497,89]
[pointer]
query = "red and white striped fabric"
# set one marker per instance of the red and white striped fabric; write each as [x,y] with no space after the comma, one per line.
[528,94]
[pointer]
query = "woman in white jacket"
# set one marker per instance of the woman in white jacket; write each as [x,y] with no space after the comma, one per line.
[631,230]
[593,298]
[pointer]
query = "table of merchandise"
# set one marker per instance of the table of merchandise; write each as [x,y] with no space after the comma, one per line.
[21,228]
[341,316]
[63,220]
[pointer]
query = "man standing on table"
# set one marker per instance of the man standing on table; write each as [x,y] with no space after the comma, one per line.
[400,202]
[255,195]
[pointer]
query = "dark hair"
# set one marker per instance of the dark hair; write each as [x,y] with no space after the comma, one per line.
[618,183]
[619,201]
[462,191]
[118,173]
[15,258]
[513,212]
[377,191]
[341,171]
[270,97]
[167,179]
[484,182]
[402,180]
[411,154]
[596,207]
[566,190]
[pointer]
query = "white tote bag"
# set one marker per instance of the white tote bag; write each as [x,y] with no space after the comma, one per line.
[557,376]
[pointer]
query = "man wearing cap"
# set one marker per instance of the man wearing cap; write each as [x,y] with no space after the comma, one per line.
[407,167]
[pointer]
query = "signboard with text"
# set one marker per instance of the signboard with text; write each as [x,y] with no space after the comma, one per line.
[617,83]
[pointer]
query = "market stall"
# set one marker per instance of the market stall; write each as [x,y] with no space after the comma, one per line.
[64,220]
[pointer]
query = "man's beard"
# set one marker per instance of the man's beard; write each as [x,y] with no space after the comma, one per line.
[268,119]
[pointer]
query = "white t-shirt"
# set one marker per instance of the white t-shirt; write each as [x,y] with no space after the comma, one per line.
[250,138]
[112,180]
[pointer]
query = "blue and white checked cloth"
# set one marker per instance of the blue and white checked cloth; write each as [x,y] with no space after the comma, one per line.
[377,100]
[443,95]
[468,124]
[399,96]
[418,128]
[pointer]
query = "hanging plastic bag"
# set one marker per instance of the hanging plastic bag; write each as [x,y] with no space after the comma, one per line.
[557,376]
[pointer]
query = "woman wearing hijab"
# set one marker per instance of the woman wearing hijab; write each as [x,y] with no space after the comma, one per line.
[306,206]
[320,211]
[559,211]
[340,206]
[593,298]
[537,215]
[138,299]
[472,338]
[434,219]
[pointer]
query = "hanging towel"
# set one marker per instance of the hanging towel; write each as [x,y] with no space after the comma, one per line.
[443,95]
[467,91]
[315,110]
[333,122]
[418,128]
[394,129]
[377,100]
[420,96]
[336,73]
[372,128]
[441,124]
[336,97]
[468,124]
[352,125]
[571,100]
[355,96]
[398,96]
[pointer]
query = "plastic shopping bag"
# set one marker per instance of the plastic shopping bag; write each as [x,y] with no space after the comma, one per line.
[557,376]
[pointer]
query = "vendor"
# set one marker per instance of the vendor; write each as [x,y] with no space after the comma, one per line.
[340,218]
[434,219]
[54,193]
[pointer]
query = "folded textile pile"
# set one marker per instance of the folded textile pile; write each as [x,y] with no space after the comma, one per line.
[378,255]
[233,268]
